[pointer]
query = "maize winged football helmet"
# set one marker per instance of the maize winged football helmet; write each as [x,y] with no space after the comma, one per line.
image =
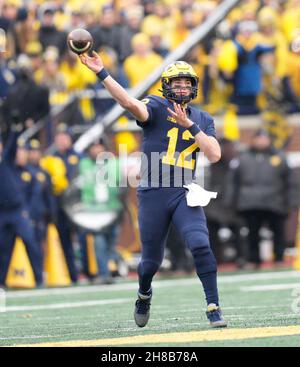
[174,70]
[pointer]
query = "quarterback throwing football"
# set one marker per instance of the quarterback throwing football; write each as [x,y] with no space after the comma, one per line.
[177,132]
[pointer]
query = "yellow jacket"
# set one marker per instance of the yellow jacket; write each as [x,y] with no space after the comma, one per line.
[77,78]
[228,57]
[290,22]
[281,51]
[138,68]
[57,171]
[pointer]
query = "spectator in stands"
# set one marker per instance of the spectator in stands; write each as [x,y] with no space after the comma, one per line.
[51,77]
[142,62]
[163,17]
[263,189]
[62,13]
[157,44]
[76,79]
[271,35]
[107,32]
[245,12]
[183,28]
[276,82]
[34,52]
[149,7]
[25,89]
[49,35]
[49,74]
[76,18]
[32,21]
[9,13]
[131,26]
[8,17]
[90,16]
[239,62]
[25,29]
[216,92]
[110,60]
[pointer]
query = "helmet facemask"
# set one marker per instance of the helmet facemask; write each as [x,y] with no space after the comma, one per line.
[169,91]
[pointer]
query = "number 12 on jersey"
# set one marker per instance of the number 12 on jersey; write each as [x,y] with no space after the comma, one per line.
[169,157]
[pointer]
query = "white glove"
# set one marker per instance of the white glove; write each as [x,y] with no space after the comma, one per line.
[198,196]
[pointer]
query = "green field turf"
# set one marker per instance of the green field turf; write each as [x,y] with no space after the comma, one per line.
[258,307]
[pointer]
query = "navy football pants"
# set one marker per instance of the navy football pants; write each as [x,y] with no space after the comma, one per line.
[157,208]
[16,223]
[64,227]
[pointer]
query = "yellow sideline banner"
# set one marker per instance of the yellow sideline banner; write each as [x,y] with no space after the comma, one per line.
[56,270]
[20,273]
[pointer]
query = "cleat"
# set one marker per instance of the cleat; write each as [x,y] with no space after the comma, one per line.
[215,316]
[142,310]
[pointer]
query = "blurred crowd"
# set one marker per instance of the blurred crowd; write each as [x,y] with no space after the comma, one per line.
[250,59]
[248,64]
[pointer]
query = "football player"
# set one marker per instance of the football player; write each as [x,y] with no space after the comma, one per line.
[174,132]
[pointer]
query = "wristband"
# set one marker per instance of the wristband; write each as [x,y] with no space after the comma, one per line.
[194,129]
[103,74]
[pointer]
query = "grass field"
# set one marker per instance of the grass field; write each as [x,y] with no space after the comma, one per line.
[262,308]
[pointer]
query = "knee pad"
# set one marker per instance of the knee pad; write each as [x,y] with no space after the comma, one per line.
[196,238]
[197,241]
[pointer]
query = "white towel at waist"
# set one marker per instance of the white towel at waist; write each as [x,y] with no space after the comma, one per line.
[198,196]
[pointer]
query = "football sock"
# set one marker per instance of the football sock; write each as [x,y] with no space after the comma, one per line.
[146,272]
[209,282]
[206,268]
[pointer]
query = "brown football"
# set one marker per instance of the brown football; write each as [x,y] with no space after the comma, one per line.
[80,41]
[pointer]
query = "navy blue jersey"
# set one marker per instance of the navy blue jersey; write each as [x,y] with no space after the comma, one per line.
[26,183]
[169,150]
[71,160]
[43,204]
[11,195]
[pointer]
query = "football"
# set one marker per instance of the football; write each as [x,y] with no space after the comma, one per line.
[80,41]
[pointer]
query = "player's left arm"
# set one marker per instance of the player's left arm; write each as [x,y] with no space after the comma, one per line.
[208,144]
